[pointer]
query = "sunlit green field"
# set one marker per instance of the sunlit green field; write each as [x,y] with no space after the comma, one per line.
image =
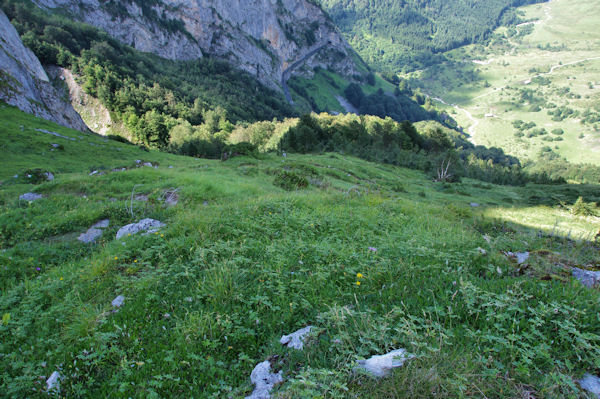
[563,47]
[241,261]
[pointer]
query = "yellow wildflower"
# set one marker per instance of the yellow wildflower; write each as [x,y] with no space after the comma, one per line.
[358,283]
[359,275]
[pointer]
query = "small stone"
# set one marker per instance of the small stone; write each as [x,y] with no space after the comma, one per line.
[474,205]
[31,197]
[170,166]
[55,145]
[93,173]
[49,176]
[264,380]
[138,161]
[295,339]
[380,365]
[141,198]
[487,238]
[482,251]
[145,225]
[16,176]
[118,301]
[587,277]
[148,164]
[188,299]
[167,316]
[53,382]
[591,384]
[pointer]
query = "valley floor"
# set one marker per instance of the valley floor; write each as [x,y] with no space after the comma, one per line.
[375,257]
[533,72]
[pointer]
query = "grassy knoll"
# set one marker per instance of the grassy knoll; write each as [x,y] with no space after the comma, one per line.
[243,261]
[545,72]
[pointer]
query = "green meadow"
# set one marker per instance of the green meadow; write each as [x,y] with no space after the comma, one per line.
[375,257]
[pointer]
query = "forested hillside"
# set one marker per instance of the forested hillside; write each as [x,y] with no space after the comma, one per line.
[392,35]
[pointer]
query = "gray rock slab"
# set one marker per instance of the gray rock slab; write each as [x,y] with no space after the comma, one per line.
[586,277]
[296,339]
[474,205]
[118,301]
[90,236]
[144,225]
[102,224]
[53,382]
[49,176]
[31,197]
[380,365]
[264,380]
[591,384]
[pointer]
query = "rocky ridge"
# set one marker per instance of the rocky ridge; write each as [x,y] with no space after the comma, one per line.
[262,37]
[25,84]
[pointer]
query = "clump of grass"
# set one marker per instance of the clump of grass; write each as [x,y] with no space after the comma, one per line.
[581,208]
[290,181]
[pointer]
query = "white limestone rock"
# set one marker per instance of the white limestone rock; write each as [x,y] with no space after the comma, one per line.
[53,382]
[94,232]
[520,257]
[380,365]
[145,225]
[264,380]
[296,339]
[31,197]
[587,277]
[118,301]
[591,384]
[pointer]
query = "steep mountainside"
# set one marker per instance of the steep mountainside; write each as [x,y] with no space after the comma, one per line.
[391,34]
[25,84]
[262,37]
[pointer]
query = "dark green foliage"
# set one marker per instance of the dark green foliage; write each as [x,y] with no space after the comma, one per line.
[290,180]
[398,107]
[580,208]
[35,176]
[392,35]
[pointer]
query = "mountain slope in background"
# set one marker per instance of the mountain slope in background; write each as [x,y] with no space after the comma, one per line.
[261,37]
[25,84]
[391,35]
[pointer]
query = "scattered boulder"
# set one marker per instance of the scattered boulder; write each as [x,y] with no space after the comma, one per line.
[119,169]
[482,251]
[520,257]
[103,224]
[141,198]
[295,339]
[587,277]
[90,236]
[264,380]
[148,164]
[49,176]
[31,197]
[474,205]
[145,225]
[591,384]
[95,172]
[380,365]
[118,301]
[53,382]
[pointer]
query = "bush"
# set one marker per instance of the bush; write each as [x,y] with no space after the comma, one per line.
[290,181]
[580,208]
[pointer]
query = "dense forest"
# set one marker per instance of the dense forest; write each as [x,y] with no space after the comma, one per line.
[394,35]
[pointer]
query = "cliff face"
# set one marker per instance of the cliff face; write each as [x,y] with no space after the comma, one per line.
[262,37]
[24,83]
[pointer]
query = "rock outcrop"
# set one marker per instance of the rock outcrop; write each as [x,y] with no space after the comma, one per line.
[262,37]
[25,84]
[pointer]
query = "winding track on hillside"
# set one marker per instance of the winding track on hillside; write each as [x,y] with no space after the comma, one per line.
[475,122]
[287,73]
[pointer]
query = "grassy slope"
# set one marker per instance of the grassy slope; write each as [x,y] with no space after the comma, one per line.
[242,261]
[569,23]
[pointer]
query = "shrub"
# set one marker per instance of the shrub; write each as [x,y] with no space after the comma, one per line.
[290,181]
[581,208]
